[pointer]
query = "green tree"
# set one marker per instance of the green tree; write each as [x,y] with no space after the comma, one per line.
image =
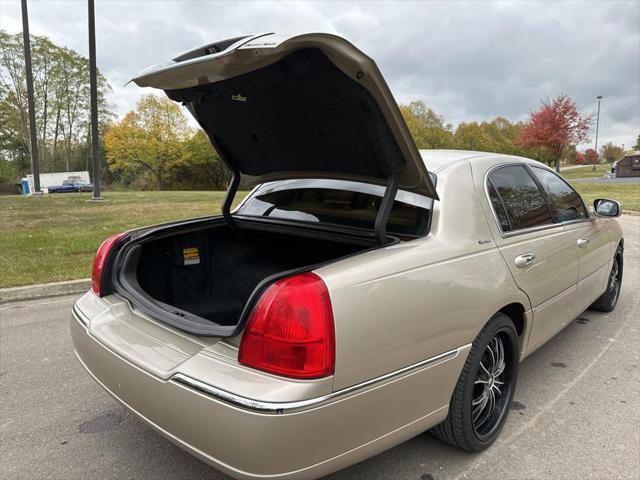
[61,91]
[13,97]
[569,154]
[472,136]
[636,147]
[204,169]
[502,135]
[152,139]
[427,127]
[611,153]
[7,171]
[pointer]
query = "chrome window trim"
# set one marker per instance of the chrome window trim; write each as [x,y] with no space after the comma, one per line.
[524,231]
[403,196]
[301,405]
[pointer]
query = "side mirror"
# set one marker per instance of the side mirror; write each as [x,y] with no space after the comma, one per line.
[606,208]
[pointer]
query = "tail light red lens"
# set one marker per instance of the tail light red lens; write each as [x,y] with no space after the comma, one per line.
[291,331]
[100,261]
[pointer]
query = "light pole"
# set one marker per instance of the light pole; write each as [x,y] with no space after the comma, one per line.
[595,159]
[35,165]
[95,139]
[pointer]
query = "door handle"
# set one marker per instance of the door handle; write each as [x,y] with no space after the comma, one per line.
[525,260]
[583,242]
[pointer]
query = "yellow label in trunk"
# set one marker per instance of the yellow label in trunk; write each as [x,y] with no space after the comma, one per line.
[191,256]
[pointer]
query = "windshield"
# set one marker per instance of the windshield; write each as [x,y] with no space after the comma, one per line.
[337,202]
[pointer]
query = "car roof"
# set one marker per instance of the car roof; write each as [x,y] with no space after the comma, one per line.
[436,160]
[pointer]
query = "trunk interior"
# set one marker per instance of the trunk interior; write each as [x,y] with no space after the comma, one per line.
[210,273]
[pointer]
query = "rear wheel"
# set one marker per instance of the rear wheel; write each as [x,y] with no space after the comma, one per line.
[609,299]
[485,389]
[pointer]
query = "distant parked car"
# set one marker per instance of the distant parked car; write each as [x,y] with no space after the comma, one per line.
[70,186]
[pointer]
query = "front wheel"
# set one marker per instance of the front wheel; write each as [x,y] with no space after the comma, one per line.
[480,402]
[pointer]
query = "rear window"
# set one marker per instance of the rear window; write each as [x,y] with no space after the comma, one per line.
[338,202]
[516,199]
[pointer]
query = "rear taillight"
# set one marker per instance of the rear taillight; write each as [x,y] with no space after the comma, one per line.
[100,261]
[290,331]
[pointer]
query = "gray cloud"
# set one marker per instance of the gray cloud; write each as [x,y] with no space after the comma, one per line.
[468,61]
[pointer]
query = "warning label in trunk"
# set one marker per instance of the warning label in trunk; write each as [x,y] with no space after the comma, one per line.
[191,256]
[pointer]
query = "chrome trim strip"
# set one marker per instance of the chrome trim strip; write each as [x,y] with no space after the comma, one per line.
[296,406]
[523,231]
[171,64]
[81,316]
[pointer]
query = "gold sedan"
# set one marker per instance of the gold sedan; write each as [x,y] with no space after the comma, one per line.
[362,293]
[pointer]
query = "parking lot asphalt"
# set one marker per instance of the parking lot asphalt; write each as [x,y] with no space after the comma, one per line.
[576,413]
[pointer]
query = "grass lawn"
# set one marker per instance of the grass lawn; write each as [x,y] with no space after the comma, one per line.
[626,193]
[587,171]
[55,237]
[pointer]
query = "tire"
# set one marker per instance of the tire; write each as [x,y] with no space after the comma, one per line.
[609,299]
[467,427]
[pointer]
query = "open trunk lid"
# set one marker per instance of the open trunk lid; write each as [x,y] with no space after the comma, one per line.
[304,106]
[279,107]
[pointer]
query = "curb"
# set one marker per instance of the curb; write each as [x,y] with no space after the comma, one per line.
[43,290]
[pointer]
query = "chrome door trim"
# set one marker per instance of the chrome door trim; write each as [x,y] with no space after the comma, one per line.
[300,405]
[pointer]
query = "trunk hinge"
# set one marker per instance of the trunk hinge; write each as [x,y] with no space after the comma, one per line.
[228,200]
[380,226]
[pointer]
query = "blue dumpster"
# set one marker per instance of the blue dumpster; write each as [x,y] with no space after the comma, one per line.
[25,186]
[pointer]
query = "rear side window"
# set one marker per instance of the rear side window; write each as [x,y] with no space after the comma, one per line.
[339,203]
[516,199]
[566,202]
[499,208]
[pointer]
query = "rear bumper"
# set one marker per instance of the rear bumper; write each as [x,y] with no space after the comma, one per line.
[280,440]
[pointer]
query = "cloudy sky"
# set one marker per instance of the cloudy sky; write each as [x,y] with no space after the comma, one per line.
[468,61]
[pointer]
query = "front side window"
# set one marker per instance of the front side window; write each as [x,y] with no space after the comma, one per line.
[566,202]
[521,204]
[338,202]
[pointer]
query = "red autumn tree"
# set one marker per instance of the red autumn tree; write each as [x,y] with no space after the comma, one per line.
[580,159]
[590,156]
[555,125]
